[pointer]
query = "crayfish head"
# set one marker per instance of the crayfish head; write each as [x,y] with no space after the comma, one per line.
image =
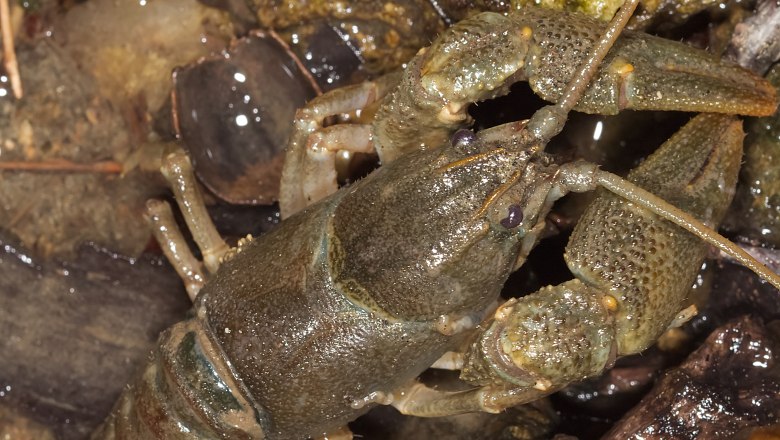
[434,233]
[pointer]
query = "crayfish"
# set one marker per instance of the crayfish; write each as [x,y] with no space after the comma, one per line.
[343,305]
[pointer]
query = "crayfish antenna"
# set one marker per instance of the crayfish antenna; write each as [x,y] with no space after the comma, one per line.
[548,121]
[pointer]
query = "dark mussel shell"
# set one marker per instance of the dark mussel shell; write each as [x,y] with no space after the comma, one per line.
[233,112]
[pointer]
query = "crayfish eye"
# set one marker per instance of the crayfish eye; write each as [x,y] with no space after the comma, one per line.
[514,218]
[462,138]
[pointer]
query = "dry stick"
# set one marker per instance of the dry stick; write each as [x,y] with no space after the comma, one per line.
[62,165]
[9,56]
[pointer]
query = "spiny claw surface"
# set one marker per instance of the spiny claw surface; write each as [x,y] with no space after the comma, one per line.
[633,268]
[645,262]
[644,72]
[641,71]
[480,57]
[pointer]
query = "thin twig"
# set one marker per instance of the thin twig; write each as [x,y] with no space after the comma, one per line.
[9,55]
[61,165]
[21,212]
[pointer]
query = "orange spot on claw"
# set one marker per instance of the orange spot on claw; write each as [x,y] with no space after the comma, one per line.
[610,303]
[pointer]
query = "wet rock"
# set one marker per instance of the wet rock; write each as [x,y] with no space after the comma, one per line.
[727,385]
[74,334]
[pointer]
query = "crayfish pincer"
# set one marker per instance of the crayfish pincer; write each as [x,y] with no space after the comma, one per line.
[343,305]
[480,58]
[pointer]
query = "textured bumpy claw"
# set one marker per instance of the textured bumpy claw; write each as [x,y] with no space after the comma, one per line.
[655,263]
[478,59]
[633,268]
[644,72]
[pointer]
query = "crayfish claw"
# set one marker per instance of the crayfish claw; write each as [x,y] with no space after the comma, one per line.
[641,72]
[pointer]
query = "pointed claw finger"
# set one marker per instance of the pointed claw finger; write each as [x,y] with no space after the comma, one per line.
[644,72]
[671,76]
